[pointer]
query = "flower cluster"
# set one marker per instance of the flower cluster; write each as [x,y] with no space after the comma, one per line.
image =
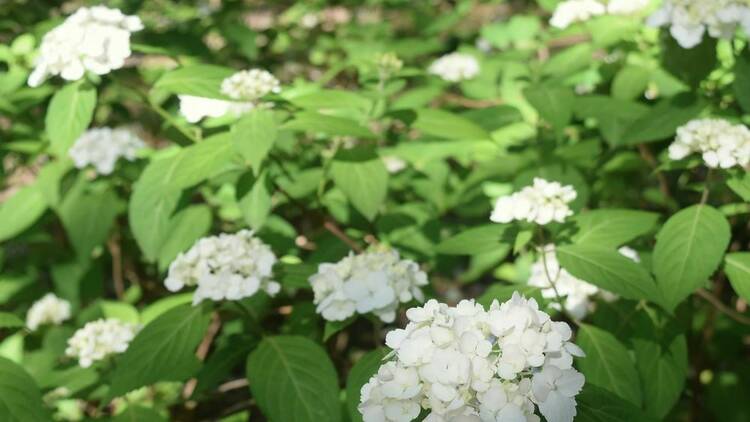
[471,364]
[690,20]
[576,292]
[102,147]
[569,12]
[195,109]
[95,39]
[721,143]
[250,85]
[455,67]
[50,309]
[228,266]
[541,203]
[374,281]
[99,339]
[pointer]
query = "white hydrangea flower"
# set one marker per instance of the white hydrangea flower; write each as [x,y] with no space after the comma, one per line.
[540,203]
[250,85]
[578,294]
[720,143]
[228,266]
[690,20]
[102,147]
[195,109]
[627,7]
[374,281]
[465,363]
[99,339]
[455,67]
[571,11]
[95,39]
[50,309]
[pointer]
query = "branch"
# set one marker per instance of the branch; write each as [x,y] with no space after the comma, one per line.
[336,231]
[721,307]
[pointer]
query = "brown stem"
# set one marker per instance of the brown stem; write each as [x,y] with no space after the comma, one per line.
[113,245]
[202,351]
[336,231]
[721,307]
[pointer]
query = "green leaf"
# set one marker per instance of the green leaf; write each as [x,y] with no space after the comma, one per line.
[608,364]
[118,310]
[159,307]
[475,240]
[662,121]
[554,104]
[630,82]
[256,204]
[163,351]
[333,327]
[691,65]
[201,80]
[444,124]
[230,354]
[613,116]
[663,371]
[136,413]
[308,121]
[185,228]
[740,184]
[688,250]
[20,398]
[332,99]
[69,114]
[363,178]
[612,227]
[292,379]
[609,270]
[20,211]
[503,293]
[88,217]
[741,85]
[253,136]
[360,374]
[596,404]
[8,320]
[737,267]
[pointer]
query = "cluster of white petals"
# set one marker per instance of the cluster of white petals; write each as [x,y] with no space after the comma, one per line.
[250,85]
[228,266]
[469,364]
[720,143]
[99,339]
[455,67]
[690,20]
[569,12]
[540,203]
[50,309]
[371,282]
[577,294]
[102,147]
[95,39]
[195,109]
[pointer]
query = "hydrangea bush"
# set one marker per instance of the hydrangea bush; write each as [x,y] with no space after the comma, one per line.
[378,211]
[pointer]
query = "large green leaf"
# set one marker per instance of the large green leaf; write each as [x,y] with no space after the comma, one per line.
[741,86]
[554,104]
[8,320]
[308,121]
[662,121]
[361,372]
[613,116]
[476,240]
[608,364]
[444,124]
[608,269]
[691,65]
[163,351]
[88,216]
[69,114]
[293,380]
[688,250]
[253,136]
[596,404]
[20,399]
[201,80]
[362,176]
[663,371]
[256,204]
[332,99]
[612,227]
[21,211]
[737,267]
[185,228]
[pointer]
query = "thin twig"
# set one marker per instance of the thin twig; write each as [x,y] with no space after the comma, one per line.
[336,231]
[721,307]
[202,351]
[113,245]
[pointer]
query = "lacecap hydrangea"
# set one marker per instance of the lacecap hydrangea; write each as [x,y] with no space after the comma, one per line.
[577,294]
[371,282]
[227,266]
[455,67]
[99,339]
[50,309]
[464,363]
[720,143]
[543,202]
[102,147]
[95,39]
[690,20]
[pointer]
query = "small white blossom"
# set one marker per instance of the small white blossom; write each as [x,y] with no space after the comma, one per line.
[195,109]
[99,339]
[690,20]
[102,147]
[720,143]
[571,11]
[228,266]
[465,363]
[371,282]
[578,294]
[455,67]
[541,203]
[95,39]
[50,309]
[627,7]
[250,85]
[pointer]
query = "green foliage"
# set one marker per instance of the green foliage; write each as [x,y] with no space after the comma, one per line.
[20,399]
